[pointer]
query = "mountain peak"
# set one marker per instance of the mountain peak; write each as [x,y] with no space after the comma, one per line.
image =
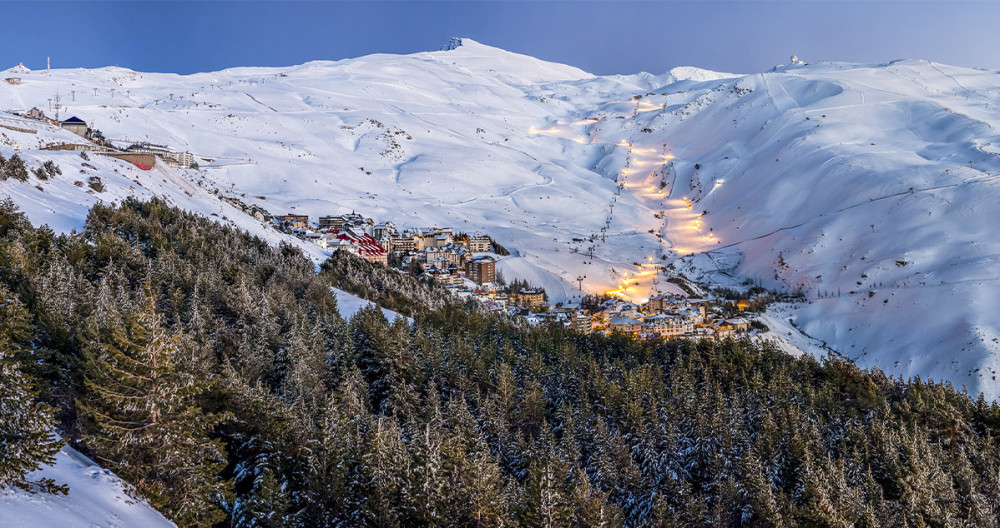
[20,68]
[454,43]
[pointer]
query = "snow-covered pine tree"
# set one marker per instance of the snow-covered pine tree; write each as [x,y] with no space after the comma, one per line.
[546,500]
[26,437]
[592,509]
[385,468]
[269,502]
[141,418]
[15,169]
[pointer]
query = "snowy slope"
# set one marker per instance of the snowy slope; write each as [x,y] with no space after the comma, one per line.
[63,201]
[349,304]
[814,177]
[96,498]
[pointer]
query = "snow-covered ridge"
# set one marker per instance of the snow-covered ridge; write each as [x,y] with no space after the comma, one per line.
[869,187]
[690,73]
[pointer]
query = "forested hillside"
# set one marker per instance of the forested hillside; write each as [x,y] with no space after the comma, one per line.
[214,373]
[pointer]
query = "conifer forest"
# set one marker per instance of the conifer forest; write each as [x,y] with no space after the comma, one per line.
[213,373]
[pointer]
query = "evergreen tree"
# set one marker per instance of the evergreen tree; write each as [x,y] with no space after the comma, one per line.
[386,468]
[267,503]
[26,426]
[50,170]
[592,507]
[547,501]
[142,419]
[15,169]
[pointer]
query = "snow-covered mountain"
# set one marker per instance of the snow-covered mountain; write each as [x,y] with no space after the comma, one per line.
[871,188]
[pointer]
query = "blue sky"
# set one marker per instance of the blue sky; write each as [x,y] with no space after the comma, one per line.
[602,37]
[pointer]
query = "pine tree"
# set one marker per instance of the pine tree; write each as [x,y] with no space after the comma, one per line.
[547,501]
[26,437]
[266,503]
[142,420]
[591,504]
[430,480]
[385,469]
[15,169]
[760,503]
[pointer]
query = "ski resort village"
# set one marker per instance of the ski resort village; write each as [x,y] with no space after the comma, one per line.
[466,265]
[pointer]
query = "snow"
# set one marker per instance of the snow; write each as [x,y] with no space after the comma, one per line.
[810,177]
[349,304]
[96,498]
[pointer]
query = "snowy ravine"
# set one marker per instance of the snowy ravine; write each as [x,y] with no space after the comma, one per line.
[870,188]
[96,498]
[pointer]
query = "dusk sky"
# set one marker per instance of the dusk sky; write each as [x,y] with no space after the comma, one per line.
[602,37]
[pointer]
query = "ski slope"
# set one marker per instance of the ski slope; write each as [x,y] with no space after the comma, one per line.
[871,188]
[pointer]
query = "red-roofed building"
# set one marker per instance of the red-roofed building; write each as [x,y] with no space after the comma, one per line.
[368,248]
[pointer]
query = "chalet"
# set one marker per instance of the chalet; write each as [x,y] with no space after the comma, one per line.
[531,299]
[333,244]
[432,237]
[439,263]
[456,255]
[705,332]
[501,300]
[662,302]
[478,243]
[738,324]
[352,221]
[333,223]
[75,125]
[384,230]
[443,277]
[624,324]
[694,315]
[291,221]
[667,325]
